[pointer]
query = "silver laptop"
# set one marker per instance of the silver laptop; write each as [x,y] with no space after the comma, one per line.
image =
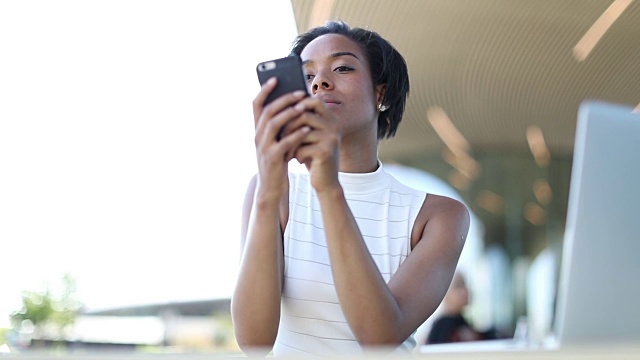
[598,298]
[599,290]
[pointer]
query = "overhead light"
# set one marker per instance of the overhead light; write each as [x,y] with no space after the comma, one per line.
[597,30]
[490,201]
[542,191]
[447,130]
[320,13]
[458,154]
[463,163]
[538,146]
[535,214]
[458,180]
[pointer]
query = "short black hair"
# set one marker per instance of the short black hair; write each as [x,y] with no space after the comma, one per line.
[386,64]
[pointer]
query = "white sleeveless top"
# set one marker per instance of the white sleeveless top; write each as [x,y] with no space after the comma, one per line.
[312,321]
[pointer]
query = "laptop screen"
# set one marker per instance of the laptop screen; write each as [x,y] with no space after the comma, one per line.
[599,287]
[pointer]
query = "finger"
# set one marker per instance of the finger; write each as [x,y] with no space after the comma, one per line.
[284,101]
[273,117]
[279,125]
[294,140]
[314,105]
[258,101]
[320,143]
[305,118]
[282,110]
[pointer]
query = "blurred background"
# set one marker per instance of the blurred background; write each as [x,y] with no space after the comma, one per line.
[126,142]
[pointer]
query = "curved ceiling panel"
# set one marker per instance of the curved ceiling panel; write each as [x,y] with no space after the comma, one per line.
[496,66]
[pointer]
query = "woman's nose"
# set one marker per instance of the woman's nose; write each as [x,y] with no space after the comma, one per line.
[320,83]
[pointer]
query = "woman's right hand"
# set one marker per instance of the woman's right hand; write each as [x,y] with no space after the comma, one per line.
[273,155]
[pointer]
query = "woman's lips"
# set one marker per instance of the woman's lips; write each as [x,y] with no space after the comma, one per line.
[330,102]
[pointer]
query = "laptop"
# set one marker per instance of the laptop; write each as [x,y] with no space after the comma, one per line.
[600,276]
[598,301]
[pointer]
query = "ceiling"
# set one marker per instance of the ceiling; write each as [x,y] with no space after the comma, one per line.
[496,67]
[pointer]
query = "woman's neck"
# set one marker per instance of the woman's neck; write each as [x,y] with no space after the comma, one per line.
[359,156]
[358,161]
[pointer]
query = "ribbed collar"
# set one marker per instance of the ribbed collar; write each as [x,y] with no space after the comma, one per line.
[364,182]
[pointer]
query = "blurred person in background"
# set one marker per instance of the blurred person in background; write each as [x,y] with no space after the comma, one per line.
[451,325]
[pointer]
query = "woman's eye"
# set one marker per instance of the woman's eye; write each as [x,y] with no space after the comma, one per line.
[343,68]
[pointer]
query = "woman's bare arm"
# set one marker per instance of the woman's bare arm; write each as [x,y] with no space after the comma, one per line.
[255,305]
[383,314]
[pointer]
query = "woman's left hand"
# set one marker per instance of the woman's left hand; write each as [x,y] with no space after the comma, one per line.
[320,149]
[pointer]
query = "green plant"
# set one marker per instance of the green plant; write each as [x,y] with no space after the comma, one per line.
[3,335]
[44,309]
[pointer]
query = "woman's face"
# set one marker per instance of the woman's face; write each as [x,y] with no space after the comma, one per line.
[338,73]
[457,296]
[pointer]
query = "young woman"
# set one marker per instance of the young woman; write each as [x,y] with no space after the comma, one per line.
[342,257]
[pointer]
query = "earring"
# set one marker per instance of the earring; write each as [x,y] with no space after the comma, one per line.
[382,107]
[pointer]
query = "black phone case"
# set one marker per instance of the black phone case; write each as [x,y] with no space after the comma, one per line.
[289,72]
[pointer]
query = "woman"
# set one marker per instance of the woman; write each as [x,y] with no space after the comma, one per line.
[342,257]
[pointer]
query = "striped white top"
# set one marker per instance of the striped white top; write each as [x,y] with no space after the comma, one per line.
[312,322]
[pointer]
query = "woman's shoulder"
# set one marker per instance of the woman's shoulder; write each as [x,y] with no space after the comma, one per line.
[441,213]
[435,203]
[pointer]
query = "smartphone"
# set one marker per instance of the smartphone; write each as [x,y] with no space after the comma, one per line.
[288,71]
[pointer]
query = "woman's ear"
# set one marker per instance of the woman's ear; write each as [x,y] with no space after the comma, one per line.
[380,91]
